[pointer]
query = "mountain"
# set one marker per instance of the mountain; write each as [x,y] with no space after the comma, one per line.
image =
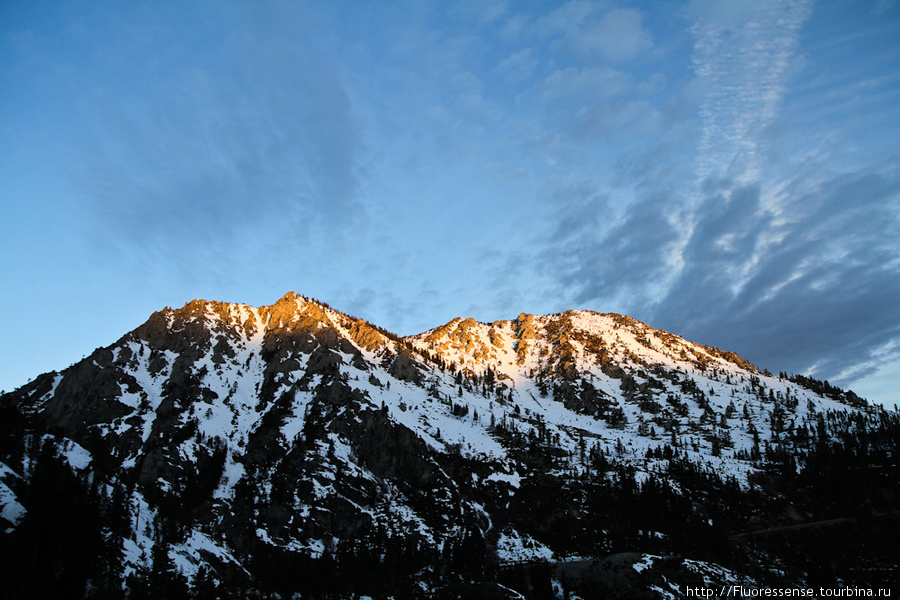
[225,451]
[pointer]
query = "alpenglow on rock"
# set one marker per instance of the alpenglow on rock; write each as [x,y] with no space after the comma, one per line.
[222,450]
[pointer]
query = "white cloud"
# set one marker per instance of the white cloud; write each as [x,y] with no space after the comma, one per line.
[741,55]
[518,66]
[587,85]
[590,30]
[617,36]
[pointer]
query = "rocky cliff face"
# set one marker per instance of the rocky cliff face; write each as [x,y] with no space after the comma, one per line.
[293,449]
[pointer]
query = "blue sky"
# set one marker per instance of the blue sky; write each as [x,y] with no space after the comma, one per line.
[728,171]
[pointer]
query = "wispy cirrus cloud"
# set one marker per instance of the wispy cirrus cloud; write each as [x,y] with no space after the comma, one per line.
[201,149]
[812,293]
[598,31]
[795,268]
[791,261]
[741,55]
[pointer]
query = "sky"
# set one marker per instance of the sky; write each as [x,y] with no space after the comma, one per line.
[728,171]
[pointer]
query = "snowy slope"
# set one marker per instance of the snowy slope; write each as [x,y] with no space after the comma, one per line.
[237,433]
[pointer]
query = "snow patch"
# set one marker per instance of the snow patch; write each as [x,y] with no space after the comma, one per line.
[513,547]
[10,509]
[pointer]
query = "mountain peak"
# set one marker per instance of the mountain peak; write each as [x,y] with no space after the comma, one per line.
[257,446]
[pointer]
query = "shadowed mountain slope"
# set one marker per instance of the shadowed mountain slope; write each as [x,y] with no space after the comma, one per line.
[222,450]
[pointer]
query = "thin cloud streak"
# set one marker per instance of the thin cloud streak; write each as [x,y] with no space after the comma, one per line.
[251,135]
[741,63]
[793,265]
[818,299]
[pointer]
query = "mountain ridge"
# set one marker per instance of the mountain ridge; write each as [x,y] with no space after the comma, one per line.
[495,455]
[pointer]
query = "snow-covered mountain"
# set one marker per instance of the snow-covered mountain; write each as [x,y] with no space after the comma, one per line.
[222,450]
